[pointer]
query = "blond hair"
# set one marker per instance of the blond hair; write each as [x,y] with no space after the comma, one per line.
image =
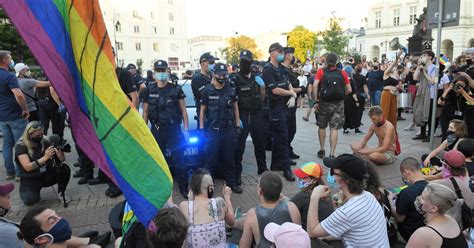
[441,196]
[25,137]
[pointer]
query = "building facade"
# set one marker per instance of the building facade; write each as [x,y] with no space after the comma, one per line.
[147,30]
[388,19]
[206,43]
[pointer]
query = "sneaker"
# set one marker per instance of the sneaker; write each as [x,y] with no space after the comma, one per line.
[321,153]
[78,174]
[9,177]
[345,131]
[84,180]
[358,131]
[292,162]
[236,189]
[294,155]
[17,179]
[288,175]
[305,118]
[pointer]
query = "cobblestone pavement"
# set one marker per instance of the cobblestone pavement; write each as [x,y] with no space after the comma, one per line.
[89,207]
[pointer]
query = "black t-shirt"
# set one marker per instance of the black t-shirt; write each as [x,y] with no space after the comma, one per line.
[470,71]
[409,80]
[302,199]
[137,80]
[359,82]
[454,103]
[125,81]
[405,206]
[38,152]
[470,168]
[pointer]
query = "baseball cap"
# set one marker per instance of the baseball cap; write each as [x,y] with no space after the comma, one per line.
[289,50]
[246,54]
[160,64]
[5,189]
[308,169]
[351,165]
[19,67]
[131,66]
[220,69]
[287,235]
[275,46]
[207,57]
[454,159]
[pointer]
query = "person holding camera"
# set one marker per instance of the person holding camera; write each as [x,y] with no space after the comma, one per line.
[41,164]
[453,103]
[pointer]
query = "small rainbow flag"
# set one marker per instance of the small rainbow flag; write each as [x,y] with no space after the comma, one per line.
[70,41]
[443,59]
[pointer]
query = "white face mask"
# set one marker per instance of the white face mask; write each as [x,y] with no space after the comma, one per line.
[28,74]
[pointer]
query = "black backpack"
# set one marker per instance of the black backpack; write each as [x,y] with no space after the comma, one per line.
[466,211]
[332,86]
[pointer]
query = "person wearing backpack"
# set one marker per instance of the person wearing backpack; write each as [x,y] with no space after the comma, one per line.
[330,87]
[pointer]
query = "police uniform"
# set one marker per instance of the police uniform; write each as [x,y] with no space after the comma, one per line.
[165,117]
[220,127]
[276,77]
[251,115]
[200,81]
[295,83]
[48,110]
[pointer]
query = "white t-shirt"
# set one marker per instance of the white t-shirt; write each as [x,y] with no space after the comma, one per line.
[444,80]
[360,222]
[303,80]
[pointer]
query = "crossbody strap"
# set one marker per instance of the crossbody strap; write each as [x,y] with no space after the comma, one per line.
[456,188]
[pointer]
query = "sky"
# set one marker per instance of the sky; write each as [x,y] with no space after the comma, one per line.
[253,17]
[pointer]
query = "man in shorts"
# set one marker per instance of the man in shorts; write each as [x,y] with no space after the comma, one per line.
[384,153]
[330,86]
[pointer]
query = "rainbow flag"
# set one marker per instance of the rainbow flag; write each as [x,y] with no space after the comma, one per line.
[70,41]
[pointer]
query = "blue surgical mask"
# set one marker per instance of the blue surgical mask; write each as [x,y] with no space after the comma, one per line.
[301,184]
[161,76]
[211,67]
[331,180]
[280,58]
[61,231]
[11,66]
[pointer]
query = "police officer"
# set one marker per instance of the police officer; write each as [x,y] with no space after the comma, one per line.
[281,96]
[202,78]
[164,107]
[137,79]
[219,106]
[49,110]
[250,90]
[295,83]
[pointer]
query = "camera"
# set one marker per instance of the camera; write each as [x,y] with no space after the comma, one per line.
[457,86]
[55,141]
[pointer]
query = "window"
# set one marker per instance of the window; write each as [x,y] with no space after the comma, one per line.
[155,47]
[135,14]
[396,17]
[118,27]
[136,29]
[173,47]
[378,19]
[171,30]
[138,46]
[155,30]
[119,45]
[413,15]
[171,16]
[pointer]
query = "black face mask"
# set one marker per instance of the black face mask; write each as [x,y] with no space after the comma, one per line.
[221,80]
[210,193]
[245,66]
[469,61]
[376,68]
[36,139]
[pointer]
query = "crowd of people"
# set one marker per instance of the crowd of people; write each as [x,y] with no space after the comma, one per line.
[261,99]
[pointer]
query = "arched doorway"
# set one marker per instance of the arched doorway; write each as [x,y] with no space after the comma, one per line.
[470,43]
[447,48]
[374,53]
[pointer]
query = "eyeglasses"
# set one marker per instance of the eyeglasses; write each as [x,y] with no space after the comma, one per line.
[334,173]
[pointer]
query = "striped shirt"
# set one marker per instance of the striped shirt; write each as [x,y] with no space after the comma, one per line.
[360,222]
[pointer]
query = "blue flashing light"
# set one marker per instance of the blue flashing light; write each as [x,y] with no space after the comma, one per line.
[193,140]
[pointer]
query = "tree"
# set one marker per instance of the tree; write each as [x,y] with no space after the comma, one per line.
[11,40]
[333,39]
[237,44]
[302,40]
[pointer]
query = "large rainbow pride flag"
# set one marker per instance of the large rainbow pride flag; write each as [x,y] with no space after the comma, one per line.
[70,41]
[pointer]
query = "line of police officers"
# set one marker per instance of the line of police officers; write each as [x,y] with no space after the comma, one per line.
[229,108]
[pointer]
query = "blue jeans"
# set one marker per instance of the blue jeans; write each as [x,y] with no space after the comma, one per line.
[375,97]
[12,131]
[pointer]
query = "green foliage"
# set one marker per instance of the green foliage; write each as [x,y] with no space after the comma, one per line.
[333,39]
[11,40]
[302,40]
[237,44]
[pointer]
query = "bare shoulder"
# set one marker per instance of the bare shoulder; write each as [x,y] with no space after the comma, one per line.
[423,236]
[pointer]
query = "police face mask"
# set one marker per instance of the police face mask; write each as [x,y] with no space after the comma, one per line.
[280,57]
[161,76]
[11,66]
[245,66]
[61,231]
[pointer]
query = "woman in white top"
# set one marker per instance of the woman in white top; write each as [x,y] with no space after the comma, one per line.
[303,83]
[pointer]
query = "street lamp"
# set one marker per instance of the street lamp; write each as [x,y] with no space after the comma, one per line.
[116,24]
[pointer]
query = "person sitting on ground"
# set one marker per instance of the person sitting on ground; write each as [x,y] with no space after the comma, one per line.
[40,164]
[455,163]
[42,227]
[207,215]
[356,228]
[271,209]
[8,229]
[171,229]
[466,147]
[385,132]
[456,132]
[408,219]
[307,178]
[441,230]
[287,235]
